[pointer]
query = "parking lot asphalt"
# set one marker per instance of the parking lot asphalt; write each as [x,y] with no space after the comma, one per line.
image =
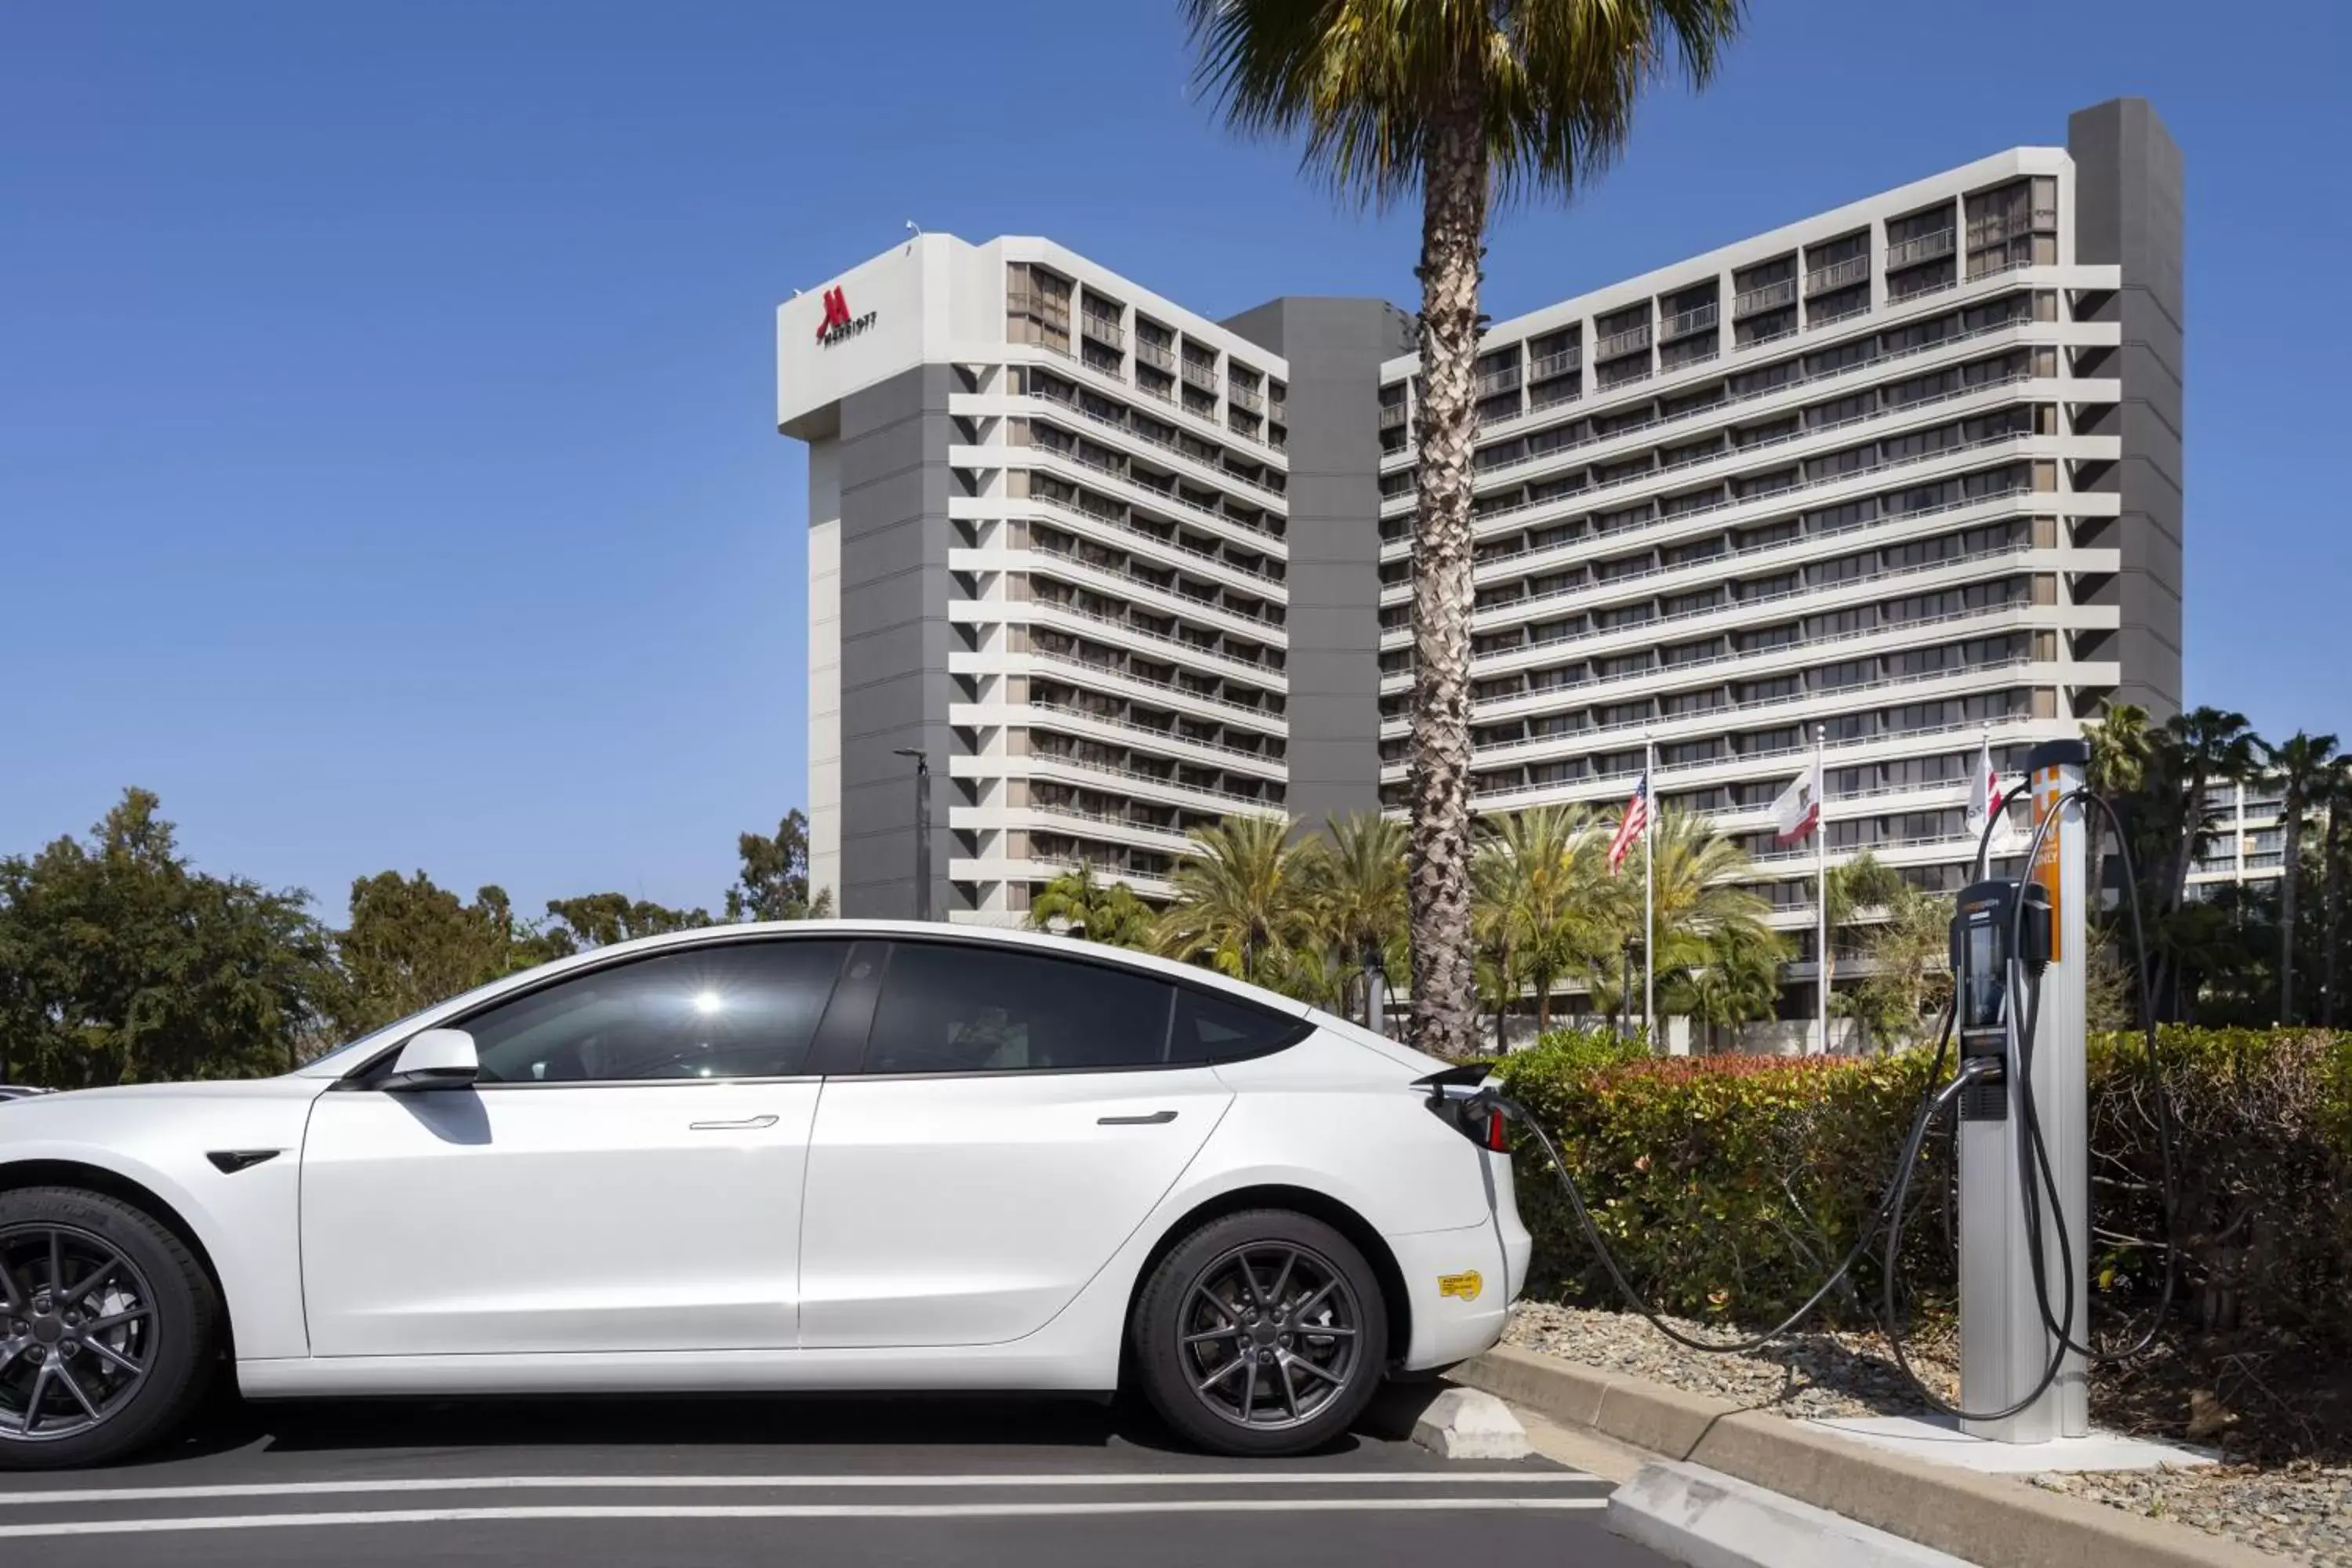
[731,1483]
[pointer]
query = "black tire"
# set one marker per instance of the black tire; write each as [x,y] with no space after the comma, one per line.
[185,1314]
[1168,1370]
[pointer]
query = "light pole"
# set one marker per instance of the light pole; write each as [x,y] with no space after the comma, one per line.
[922,830]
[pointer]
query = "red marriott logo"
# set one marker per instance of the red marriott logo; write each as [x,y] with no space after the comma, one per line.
[838,322]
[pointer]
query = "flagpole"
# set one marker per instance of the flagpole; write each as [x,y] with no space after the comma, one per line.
[1650,894]
[1822,873]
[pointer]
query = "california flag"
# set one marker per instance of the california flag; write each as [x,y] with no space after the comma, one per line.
[1986,800]
[1798,810]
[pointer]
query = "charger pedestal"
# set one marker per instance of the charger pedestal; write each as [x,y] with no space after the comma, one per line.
[2005,1346]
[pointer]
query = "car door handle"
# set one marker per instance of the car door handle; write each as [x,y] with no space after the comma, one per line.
[748,1123]
[1157,1119]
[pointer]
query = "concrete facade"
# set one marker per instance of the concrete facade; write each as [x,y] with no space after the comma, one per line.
[1335,349]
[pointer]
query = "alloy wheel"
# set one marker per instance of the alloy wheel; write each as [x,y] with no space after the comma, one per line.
[1268,1335]
[76,1331]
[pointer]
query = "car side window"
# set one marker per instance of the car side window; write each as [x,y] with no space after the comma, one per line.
[1213,1028]
[949,1008]
[743,1009]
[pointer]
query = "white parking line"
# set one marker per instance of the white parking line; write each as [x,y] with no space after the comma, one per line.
[1466,1503]
[778,1483]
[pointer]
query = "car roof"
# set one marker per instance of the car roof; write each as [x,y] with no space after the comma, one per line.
[336,1062]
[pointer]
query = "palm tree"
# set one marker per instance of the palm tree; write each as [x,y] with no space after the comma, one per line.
[1462,103]
[1243,900]
[1739,980]
[1077,903]
[2214,745]
[1496,962]
[2120,751]
[1545,876]
[1356,890]
[2305,761]
[1702,911]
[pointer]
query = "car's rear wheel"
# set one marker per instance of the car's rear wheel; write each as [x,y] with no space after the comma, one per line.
[107,1327]
[1262,1332]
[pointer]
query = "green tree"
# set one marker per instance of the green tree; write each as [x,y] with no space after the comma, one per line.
[2212,745]
[1906,973]
[1544,872]
[411,943]
[1462,104]
[1244,900]
[2121,747]
[1077,903]
[1737,982]
[121,963]
[1699,900]
[1356,889]
[600,919]
[2306,762]
[774,884]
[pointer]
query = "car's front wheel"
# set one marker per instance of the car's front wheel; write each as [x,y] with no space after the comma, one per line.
[1260,1333]
[107,1327]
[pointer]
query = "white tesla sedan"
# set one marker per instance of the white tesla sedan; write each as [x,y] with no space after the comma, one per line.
[837,1155]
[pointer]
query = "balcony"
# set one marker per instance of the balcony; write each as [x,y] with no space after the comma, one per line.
[1560,363]
[1684,323]
[1203,376]
[1925,247]
[1273,760]
[1837,275]
[1105,330]
[1617,345]
[1769,297]
[1278,411]
[1245,397]
[1994,229]
[1392,416]
[1260,669]
[1151,353]
[1494,381]
[1052,311]
[1138,775]
[1263,715]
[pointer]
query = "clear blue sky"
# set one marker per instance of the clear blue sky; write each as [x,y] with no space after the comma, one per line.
[388,472]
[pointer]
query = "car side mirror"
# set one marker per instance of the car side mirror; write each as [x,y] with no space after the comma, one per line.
[437,1058]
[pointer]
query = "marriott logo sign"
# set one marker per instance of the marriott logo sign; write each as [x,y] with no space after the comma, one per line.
[838,322]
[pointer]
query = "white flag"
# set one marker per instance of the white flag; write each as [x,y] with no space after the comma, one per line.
[1986,799]
[1798,810]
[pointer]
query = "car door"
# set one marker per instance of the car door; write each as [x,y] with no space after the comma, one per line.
[625,1176]
[1014,1117]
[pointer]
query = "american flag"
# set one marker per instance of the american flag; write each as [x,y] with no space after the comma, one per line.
[1630,823]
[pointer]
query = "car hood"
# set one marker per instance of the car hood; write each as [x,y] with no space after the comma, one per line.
[84,1111]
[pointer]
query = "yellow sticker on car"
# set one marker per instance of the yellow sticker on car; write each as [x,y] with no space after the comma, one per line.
[1463,1285]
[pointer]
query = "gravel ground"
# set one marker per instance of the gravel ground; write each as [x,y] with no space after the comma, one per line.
[2303,1512]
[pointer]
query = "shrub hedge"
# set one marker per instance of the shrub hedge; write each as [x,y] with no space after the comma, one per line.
[1726,1185]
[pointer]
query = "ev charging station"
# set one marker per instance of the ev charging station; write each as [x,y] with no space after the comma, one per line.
[2019,958]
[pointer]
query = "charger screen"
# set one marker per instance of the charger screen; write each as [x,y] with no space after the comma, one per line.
[1983,987]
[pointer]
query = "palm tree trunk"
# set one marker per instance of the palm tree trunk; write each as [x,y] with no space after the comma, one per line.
[2332,854]
[2286,907]
[1452,225]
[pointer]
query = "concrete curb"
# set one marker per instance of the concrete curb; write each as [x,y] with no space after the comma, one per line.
[1708,1520]
[1980,1519]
